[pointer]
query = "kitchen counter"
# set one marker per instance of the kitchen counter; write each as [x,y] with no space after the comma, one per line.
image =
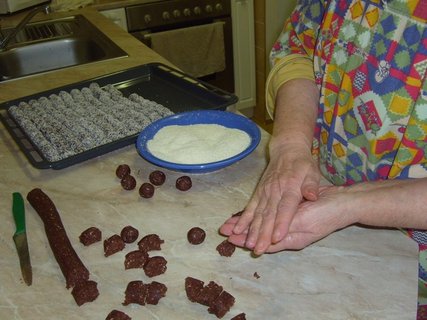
[356,273]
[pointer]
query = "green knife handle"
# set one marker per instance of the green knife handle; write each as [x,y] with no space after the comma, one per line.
[18,210]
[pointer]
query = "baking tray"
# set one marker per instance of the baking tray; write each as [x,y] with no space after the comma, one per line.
[157,82]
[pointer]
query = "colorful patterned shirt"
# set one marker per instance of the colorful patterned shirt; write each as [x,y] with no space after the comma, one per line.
[369,59]
[370,62]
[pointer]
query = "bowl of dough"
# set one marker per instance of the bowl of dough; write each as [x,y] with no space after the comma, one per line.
[198,141]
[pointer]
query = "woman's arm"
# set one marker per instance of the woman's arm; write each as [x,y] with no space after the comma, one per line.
[291,175]
[390,203]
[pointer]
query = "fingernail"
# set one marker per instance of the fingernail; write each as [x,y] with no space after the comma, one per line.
[249,245]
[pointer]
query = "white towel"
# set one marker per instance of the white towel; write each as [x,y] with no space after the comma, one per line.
[197,51]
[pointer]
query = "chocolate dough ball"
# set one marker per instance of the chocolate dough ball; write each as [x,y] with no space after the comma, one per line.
[226,248]
[117,315]
[146,190]
[157,177]
[183,183]
[128,182]
[122,171]
[196,235]
[129,234]
[90,236]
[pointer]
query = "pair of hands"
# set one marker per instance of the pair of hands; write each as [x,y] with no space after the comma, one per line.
[289,209]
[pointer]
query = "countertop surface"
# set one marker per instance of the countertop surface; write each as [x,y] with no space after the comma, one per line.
[356,273]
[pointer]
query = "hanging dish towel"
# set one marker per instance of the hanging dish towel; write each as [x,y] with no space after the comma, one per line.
[197,51]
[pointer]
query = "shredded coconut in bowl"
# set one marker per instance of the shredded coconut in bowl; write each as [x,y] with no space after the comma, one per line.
[197,143]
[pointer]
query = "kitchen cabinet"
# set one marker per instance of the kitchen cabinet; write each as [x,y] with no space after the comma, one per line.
[242,12]
[269,18]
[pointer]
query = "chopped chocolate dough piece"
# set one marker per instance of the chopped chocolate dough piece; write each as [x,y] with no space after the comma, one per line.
[135,292]
[221,305]
[226,248]
[90,236]
[196,235]
[240,316]
[155,266]
[71,266]
[193,287]
[155,291]
[237,214]
[157,177]
[85,291]
[129,234]
[136,259]
[113,244]
[209,293]
[146,190]
[256,275]
[122,171]
[150,242]
[183,183]
[117,315]
[128,182]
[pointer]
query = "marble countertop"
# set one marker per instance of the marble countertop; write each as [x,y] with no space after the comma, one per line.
[355,273]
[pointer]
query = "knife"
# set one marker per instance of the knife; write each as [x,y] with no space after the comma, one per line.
[20,238]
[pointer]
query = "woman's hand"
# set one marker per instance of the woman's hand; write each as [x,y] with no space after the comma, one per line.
[389,203]
[291,177]
[312,221]
[315,220]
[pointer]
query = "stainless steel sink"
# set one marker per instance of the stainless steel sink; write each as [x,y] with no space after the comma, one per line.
[55,44]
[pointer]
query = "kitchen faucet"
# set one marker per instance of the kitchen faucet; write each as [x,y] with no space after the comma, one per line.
[22,24]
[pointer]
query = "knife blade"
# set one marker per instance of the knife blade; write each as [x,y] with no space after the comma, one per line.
[20,238]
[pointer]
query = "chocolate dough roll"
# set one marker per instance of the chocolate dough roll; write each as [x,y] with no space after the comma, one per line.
[71,266]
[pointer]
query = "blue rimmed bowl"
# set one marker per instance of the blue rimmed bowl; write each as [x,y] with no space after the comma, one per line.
[224,118]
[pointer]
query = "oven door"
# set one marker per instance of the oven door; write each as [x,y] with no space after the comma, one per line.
[223,79]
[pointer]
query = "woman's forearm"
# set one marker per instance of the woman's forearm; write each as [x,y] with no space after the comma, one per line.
[295,115]
[391,203]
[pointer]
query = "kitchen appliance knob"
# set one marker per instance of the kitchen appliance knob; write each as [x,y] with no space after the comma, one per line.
[208,8]
[166,15]
[187,12]
[197,10]
[176,13]
[147,18]
[218,7]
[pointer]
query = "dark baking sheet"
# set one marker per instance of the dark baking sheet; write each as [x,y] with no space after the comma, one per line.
[158,82]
